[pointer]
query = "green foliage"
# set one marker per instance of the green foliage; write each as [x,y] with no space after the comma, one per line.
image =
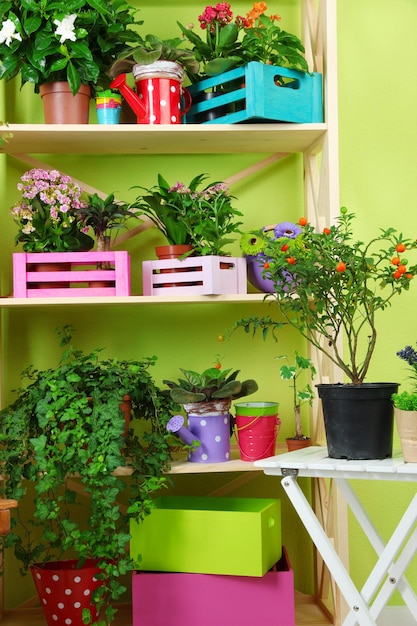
[65,433]
[188,214]
[292,371]
[40,54]
[104,216]
[331,287]
[212,384]
[151,49]
[266,42]
[231,42]
[405,401]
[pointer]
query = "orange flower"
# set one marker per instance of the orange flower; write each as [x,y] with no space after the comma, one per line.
[258,9]
[303,221]
[291,260]
[341,267]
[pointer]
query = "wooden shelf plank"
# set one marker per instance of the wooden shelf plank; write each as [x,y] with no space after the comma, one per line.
[8,302]
[306,612]
[161,139]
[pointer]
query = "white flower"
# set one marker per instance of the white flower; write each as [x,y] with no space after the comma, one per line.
[8,32]
[65,28]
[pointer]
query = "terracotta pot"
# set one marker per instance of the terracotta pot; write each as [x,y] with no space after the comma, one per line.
[297,444]
[61,107]
[50,267]
[172,252]
[407,430]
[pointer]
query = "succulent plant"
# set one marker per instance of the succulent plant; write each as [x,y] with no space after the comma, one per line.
[212,384]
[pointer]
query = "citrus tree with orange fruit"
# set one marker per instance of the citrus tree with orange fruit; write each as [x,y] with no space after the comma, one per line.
[328,285]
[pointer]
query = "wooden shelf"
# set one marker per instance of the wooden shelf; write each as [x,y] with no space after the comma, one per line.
[162,139]
[306,612]
[248,298]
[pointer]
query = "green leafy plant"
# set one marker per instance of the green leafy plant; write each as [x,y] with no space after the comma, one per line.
[264,41]
[188,214]
[104,216]
[234,41]
[66,425]
[46,214]
[212,384]
[152,48]
[291,372]
[74,41]
[331,287]
[405,401]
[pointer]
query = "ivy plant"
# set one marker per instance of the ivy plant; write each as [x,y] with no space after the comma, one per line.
[67,422]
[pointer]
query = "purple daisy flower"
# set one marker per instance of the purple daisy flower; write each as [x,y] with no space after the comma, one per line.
[287,229]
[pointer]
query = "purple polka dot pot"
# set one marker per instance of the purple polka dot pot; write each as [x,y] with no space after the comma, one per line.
[209,422]
[65,590]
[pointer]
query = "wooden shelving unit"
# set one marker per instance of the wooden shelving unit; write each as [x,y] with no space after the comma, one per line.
[318,143]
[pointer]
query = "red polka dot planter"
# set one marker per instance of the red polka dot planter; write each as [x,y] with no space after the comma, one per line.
[64,590]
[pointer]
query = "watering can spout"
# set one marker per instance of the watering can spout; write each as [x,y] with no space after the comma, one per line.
[129,95]
[176,426]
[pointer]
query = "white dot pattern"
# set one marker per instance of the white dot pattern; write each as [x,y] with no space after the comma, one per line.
[64,594]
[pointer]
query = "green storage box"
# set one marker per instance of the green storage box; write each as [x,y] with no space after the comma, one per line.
[204,535]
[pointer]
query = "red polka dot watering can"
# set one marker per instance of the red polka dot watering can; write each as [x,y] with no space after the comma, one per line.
[159,97]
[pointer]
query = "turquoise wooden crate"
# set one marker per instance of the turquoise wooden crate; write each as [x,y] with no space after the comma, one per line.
[251,93]
[208,535]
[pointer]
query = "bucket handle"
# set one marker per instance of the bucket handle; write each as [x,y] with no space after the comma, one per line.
[255,419]
[255,458]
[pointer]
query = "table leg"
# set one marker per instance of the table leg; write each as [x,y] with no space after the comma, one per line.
[385,568]
[327,551]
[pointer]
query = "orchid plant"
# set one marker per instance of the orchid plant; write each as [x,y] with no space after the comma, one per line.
[202,217]
[232,41]
[71,40]
[45,215]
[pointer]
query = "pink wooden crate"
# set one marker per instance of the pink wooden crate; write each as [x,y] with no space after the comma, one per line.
[79,271]
[203,275]
[176,599]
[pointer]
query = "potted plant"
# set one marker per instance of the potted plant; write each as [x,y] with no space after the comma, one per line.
[158,66]
[331,288]
[207,399]
[201,217]
[46,213]
[72,42]
[253,243]
[105,216]
[233,41]
[405,409]
[66,434]
[291,372]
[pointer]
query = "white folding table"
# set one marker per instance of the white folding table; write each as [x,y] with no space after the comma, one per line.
[365,605]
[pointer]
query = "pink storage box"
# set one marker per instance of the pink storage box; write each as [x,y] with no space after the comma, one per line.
[70,274]
[204,275]
[176,599]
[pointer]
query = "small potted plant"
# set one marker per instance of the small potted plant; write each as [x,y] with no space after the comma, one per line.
[405,409]
[253,244]
[331,287]
[291,371]
[207,398]
[105,216]
[66,434]
[157,65]
[72,42]
[46,213]
[201,217]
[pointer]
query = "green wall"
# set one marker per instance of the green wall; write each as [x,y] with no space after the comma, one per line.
[378,135]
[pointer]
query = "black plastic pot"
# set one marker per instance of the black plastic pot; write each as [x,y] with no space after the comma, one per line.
[358,419]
